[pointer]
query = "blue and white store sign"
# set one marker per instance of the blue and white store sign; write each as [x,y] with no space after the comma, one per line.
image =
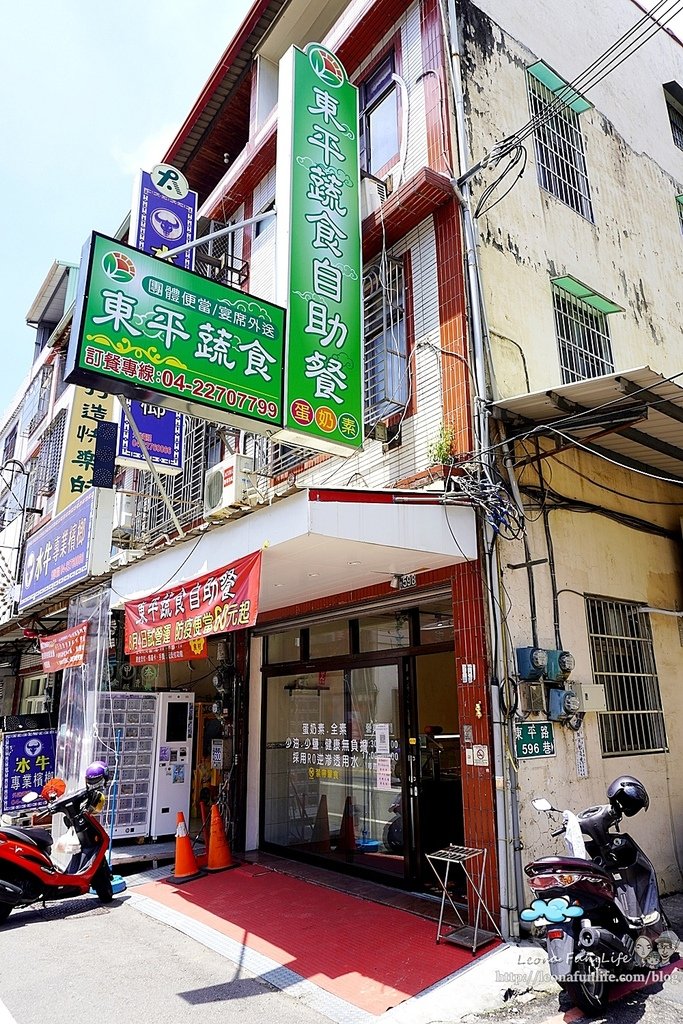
[162,430]
[73,547]
[28,762]
[163,214]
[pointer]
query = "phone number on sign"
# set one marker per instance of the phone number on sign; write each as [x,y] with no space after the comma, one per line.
[203,390]
[217,393]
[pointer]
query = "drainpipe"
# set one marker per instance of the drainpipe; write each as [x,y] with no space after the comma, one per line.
[507,817]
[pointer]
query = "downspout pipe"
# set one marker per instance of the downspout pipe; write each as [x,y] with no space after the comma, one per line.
[507,816]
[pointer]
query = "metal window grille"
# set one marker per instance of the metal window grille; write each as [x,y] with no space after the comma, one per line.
[583,338]
[217,258]
[185,491]
[50,454]
[386,355]
[37,401]
[560,158]
[680,213]
[676,121]
[623,661]
[10,443]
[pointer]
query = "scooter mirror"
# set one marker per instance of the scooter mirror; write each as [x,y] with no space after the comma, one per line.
[29,798]
[541,804]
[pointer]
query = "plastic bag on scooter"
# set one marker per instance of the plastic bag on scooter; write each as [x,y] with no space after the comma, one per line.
[573,836]
[68,843]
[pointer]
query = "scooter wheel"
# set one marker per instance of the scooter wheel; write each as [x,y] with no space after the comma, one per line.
[591,993]
[5,911]
[101,883]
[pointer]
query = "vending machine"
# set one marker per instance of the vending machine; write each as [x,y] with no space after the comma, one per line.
[172,762]
[127,721]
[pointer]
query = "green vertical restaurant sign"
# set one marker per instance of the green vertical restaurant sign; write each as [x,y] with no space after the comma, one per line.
[154,332]
[535,739]
[319,251]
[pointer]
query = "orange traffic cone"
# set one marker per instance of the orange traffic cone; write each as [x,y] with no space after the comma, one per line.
[185,868]
[220,856]
[347,833]
[320,840]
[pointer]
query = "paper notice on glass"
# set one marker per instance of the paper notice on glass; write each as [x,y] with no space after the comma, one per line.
[382,738]
[383,767]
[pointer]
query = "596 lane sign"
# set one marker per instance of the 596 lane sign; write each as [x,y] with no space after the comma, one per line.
[154,332]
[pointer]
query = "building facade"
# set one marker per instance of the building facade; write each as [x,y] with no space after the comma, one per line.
[517,490]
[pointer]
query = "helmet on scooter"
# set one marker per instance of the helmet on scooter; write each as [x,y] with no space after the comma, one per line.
[96,775]
[628,795]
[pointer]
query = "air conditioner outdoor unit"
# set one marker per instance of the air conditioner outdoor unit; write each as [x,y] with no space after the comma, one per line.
[124,514]
[227,486]
[373,192]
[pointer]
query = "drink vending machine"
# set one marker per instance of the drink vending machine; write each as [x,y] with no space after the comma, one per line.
[172,764]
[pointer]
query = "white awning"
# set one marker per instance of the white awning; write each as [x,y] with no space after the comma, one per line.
[316,543]
[634,417]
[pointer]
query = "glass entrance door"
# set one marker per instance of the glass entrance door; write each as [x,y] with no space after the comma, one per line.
[333,766]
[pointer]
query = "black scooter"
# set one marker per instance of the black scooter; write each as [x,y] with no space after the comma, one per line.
[599,909]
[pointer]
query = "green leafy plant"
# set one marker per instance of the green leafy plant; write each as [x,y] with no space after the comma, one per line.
[440,449]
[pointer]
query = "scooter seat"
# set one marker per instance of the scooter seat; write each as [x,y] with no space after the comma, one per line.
[544,864]
[40,837]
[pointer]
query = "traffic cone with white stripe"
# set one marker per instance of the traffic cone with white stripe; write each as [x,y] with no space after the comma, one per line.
[185,868]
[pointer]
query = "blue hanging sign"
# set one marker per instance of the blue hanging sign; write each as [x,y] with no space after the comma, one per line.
[162,430]
[161,221]
[28,762]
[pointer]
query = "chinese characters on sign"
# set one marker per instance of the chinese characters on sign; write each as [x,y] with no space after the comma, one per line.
[326,749]
[88,408]
[193,650]
[157,333]
[28,760]
[64,650]
[75,545]
[535,739]
[318,233]
[217,602]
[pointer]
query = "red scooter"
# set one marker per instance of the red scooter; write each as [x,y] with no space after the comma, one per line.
[27,873]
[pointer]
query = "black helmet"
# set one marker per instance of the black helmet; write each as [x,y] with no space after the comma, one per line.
[628,795]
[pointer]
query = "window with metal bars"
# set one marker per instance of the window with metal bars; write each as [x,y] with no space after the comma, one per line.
[623,660]
[37,401]
[49,455]
[558,142]
[386,350]
[185,491]
[676,122]
[583,338]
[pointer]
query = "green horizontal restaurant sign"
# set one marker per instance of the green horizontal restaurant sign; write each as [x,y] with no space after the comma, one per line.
[154,332]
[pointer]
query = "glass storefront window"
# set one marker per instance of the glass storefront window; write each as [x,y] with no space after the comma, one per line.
[283,647]
[332,772]
[328,638]
[384,632]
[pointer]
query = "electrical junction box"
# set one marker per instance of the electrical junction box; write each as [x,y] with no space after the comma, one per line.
[531,662]
[591,696]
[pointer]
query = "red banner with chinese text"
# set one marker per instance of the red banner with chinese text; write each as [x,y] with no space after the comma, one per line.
[192,650]
[219,602]
[64,650]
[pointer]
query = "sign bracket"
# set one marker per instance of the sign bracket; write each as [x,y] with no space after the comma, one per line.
[217,234]
[125,405]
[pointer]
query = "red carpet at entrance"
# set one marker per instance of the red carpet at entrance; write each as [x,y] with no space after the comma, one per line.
[367,954]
